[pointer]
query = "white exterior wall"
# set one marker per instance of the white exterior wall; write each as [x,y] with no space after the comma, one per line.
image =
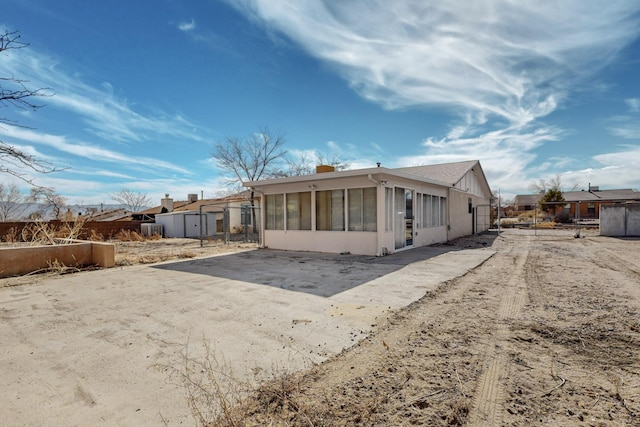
[355,242]
[185,224]
[620,220]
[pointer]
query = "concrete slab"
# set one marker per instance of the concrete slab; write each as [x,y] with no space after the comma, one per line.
[86,349]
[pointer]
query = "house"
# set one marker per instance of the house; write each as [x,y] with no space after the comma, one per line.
[187,218]
[374,211]
[584,204]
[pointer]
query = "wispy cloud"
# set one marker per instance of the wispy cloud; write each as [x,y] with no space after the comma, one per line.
[499,66]
[88,151]
[187,26]
[502,58]
[627,129]
[634,104]
[107,116]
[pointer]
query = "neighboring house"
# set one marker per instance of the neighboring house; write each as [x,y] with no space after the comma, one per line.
[586,202]
[183,218]
[108,215]
[374,211]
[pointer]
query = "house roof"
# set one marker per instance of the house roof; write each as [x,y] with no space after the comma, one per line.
[444,174]
[625,194]
[601,195]
[110,215]
[208,204]
[158,209]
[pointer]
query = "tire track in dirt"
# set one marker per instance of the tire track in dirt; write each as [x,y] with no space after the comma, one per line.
[488,398]
[625,263]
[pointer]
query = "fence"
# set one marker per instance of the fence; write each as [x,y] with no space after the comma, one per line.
[106,229]
[232,223]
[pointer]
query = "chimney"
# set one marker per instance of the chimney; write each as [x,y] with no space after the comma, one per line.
[324,168]
[166,203]
[192,198]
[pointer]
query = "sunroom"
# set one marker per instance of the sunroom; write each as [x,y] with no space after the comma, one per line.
[375,211]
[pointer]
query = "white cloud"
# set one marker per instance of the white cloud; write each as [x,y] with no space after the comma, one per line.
[498,65]
[92,151]
[499,58]
[625,126]
[187,26]
[107,116]
[634,104]
[617,169]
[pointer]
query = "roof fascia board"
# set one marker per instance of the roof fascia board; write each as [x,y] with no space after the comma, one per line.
[378,171]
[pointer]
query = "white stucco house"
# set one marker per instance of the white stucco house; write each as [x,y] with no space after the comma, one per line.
[374,211]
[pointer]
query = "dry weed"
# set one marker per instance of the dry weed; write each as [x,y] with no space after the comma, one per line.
[94,236]
[11,236]
[129,236]
[211,390]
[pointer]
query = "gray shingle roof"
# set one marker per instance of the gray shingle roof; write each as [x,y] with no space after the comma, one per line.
[625,194]
[450,173]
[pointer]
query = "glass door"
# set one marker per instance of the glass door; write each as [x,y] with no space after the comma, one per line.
[403,221]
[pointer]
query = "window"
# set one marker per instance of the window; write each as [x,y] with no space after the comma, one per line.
[443,211]
[418,214]
[591,208]
[299,211]
[435,211]
[426,210]
[388,206]
[330,210]
[362,209]
[274,211]
[246,213]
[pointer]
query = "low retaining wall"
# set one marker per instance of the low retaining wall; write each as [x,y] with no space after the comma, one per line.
[76,253]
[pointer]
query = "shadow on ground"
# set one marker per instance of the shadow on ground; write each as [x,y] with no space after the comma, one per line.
[316,273]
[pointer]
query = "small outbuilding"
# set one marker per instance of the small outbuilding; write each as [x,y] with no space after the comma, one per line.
[374,211]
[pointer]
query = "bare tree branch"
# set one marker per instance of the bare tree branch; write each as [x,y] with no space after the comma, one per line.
[14,93]
[133,201]
[53,201]
[250,159]
[11,200]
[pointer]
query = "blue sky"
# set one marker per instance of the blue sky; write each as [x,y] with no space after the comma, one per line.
[145,89]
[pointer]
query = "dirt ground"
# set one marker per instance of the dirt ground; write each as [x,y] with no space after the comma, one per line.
[150,251]
[546,332]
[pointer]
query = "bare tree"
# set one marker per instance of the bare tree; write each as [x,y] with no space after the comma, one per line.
[133,201]
[52,201]
[250,159]
[11,199]
[302,164]
[14,93]
[542,186]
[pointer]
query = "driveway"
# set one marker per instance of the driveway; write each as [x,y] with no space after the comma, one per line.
[90,348]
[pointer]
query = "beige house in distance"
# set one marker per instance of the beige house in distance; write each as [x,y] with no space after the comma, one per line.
[374,211]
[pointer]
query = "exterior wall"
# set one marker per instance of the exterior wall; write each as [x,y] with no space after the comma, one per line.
[620,220]
[461,221]
[584,209]
[354,242]
[458,221]
[187,224]
[23,260]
